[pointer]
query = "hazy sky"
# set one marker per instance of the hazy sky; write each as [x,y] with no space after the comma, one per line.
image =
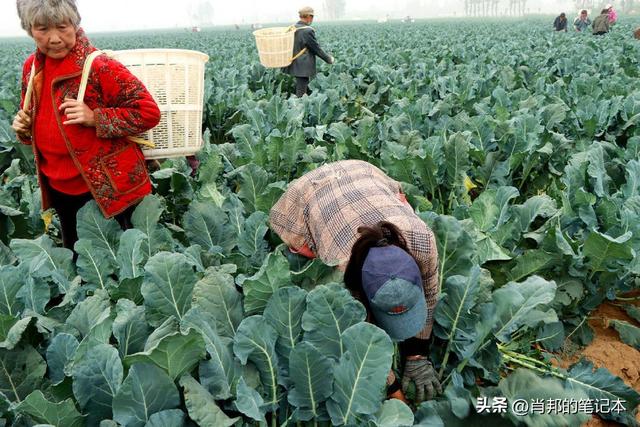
[115,15]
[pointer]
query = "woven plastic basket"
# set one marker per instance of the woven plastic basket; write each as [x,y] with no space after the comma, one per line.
[175,78]
[275,46]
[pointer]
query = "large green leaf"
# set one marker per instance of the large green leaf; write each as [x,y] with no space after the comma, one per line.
[629,333]
[96,380]
[219,373]
[597,171]
[146,218]
[255,189]
[311,374]
[601,384]
[167,287]
[42,256]
[168,418]
[605,253]
[331,310]
[89,313]
[60,355]
[21,372]
[146,390]
[536,206]
[201,405]
[130,327]
[455,246]
[457,323]
[131,254]
[284,312]
[632,187]
[170,350]
[11,281]
[360,375]
[526,385]
[255,341]
[633,312]
[34,294]
[456,154]
[531,262]
[491,209]
[99,334]
[249,402]
[394,413]
[216,294]
[103,233]
[11,330]
[92,266]
[518,305]
[57,414]
[251,242]
[257,289]
[208,226]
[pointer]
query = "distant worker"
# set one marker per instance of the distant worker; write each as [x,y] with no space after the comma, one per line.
[613,15]
[601,23]
[636,33]
[305,50]
[582,22]
[560,23]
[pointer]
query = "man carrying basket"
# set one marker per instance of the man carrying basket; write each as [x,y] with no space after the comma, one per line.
[305,50]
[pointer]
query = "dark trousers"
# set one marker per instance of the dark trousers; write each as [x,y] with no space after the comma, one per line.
[67,207]
[302,86]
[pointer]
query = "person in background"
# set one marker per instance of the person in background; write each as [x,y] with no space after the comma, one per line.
[636,33]
[582,22]
[305,50]
[560,23]
[613,15]
[601,23]
[350,214]
[81,148]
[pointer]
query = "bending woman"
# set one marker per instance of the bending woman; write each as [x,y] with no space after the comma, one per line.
[81,148]
[352,214]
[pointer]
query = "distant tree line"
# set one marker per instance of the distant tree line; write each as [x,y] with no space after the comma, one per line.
[494,7]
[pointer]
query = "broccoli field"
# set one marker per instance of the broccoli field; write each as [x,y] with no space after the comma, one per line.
[518,146]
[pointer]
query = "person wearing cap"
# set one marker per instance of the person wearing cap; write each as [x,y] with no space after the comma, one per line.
[582,22]
[305,50]
[560,23]
[601,23]
[350,214]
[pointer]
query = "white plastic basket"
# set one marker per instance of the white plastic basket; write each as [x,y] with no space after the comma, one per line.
[275,46]
[175,79]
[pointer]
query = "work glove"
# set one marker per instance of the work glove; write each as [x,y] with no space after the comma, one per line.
[419,370]
[333,60]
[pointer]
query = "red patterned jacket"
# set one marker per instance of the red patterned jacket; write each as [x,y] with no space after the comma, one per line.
[113,167]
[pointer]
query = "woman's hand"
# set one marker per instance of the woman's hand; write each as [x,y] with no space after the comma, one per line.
[78,113]
[22,125]
[419,370]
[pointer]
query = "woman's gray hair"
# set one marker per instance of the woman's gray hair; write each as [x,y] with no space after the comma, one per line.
[47,12]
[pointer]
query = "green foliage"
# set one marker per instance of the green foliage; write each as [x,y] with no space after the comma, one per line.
[521,155]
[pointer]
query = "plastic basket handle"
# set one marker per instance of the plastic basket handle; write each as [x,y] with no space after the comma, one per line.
[86,69]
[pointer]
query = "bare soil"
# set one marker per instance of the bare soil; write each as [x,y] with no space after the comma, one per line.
[608,351]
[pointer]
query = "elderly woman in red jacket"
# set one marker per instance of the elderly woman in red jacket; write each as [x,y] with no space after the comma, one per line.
[81,148]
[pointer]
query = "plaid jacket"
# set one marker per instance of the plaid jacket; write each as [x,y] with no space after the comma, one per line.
[323,209]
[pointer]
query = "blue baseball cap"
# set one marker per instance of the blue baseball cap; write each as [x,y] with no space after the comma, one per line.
[392,283]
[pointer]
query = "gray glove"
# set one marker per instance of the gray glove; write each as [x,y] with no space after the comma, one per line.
[422,373]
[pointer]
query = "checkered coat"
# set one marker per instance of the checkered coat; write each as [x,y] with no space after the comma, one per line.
[321,212]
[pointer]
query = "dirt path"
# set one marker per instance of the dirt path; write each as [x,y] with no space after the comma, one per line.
[608,351]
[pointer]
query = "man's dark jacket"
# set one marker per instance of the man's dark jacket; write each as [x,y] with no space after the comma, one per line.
[305,65]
